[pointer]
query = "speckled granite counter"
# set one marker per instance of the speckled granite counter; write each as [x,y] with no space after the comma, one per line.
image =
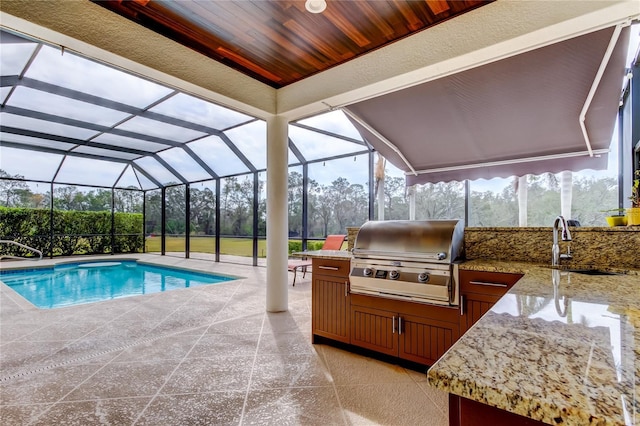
[324,254]
[559,347]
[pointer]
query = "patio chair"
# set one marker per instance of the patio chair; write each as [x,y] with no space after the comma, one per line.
[332,242]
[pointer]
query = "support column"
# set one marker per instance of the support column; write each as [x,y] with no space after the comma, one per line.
[380,197]
[566,194]
[187,221]
[277,215]
[411,191]
[523,198]
[379,176]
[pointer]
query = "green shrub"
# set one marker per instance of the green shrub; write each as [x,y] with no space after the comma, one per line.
[314,245]
[74,232]
[295,246]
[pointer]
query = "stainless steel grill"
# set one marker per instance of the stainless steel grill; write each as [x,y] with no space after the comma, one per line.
[409,260]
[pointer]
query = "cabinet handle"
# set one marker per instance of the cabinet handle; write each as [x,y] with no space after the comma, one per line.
[393,326]
[488,284]
[462,305]
[329,268]
[399,325]
[346,288]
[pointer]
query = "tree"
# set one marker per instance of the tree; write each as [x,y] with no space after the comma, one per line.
[440,201]
[153,212]
[323,208]
[203,212]
[237,206]
[396,203]
[591,197]
[65,198]
[175,210]
[128,200]
[10,189]
[341,193]
[294,203]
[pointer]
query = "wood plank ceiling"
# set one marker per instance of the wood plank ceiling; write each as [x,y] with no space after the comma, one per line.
[278,42]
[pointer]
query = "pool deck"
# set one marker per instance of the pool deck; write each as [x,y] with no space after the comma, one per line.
[203,355]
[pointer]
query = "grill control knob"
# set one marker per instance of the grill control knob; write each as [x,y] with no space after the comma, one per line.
[423,277]
[394,275]
[367,272]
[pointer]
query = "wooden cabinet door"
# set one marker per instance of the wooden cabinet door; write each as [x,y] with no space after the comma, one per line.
[374,329]
[479,291]
[424,340]
[330,307]
[472,307]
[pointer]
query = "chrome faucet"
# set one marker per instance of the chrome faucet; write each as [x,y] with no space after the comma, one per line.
[566,236]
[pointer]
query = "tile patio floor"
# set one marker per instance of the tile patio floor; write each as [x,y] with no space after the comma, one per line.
[198,356]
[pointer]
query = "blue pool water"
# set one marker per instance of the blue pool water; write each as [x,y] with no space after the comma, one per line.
[77,283]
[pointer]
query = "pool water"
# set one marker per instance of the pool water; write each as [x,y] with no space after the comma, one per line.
[78,283]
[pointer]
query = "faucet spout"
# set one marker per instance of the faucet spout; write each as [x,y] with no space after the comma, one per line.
[565,235]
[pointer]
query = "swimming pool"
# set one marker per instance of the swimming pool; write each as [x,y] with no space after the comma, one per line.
[86,282]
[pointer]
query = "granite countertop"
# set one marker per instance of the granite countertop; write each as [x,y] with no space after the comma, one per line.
[560,347]
[324,254]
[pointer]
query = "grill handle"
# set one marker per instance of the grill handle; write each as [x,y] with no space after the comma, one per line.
[486,284]
[406,255]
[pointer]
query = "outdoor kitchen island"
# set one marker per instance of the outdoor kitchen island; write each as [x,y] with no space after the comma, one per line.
[403,332]
[558,348]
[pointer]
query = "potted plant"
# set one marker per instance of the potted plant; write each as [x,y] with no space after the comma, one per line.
[633,213]
[615,219]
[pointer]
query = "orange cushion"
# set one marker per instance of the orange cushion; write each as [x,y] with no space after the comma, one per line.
[333,242]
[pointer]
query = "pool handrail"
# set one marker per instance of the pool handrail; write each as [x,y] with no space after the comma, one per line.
[15,243]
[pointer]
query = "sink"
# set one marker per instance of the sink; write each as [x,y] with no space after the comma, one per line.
[593,272]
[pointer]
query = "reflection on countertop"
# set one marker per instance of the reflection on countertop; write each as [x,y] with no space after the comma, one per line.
[559,347]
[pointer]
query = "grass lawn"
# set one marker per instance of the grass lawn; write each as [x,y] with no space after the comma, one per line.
[231,246]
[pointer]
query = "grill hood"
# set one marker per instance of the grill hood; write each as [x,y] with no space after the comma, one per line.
[438,241]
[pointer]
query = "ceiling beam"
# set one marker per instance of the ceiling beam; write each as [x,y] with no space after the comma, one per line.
[64,139]
[327,133]
[81,155]
[296,152]
[107,103]
[137,168]
[59,151]
[335,157]
[170,168]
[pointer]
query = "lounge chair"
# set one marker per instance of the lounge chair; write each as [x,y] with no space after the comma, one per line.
[332,242]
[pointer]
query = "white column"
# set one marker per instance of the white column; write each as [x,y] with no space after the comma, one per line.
[412,202]
[523,190]
[380,196]
[379,178]
[566,193]
[277,216]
